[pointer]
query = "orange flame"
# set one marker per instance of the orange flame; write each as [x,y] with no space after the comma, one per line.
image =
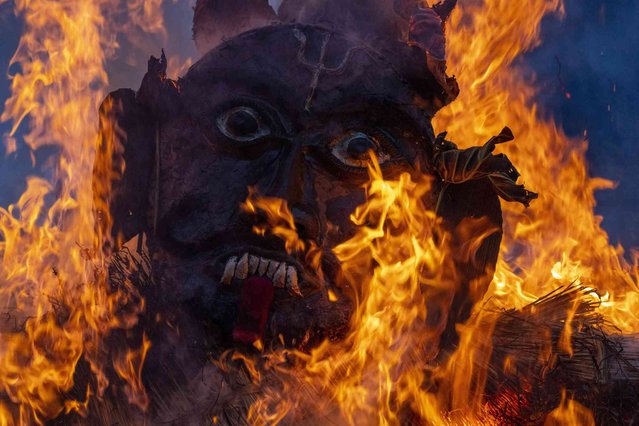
[52,280]
[279,220]
[569,413]
[129,365]
[380,367]
[559,239]
[55,287]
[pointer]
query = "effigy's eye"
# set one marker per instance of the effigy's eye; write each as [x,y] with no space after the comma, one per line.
[354,149]
[242,124]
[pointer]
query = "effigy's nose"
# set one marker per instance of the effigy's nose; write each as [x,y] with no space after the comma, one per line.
[289,182]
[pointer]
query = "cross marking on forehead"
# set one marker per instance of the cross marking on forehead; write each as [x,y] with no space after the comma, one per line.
[318,68]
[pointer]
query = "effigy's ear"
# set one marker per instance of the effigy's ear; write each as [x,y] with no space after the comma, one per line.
[462,165]
[122,168]
[125,158]
[215,21]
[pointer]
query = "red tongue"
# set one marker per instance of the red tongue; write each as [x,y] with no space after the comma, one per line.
[252,311]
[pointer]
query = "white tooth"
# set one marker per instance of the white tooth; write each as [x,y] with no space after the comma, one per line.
[229,269]
[263,266]
[291,281]
[272,268]
[279,278]
[253,262]
[242,267]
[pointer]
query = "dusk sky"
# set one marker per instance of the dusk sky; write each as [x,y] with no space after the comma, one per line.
[592,54]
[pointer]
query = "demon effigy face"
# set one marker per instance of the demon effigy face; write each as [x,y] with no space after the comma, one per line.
[297,123]
[292,112]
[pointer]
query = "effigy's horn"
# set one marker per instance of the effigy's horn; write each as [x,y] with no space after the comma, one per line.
[445,8]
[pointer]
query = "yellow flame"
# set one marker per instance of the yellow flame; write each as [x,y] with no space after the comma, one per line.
[559,238]
[52,280]
[380,367]
[279,220]
[569,413]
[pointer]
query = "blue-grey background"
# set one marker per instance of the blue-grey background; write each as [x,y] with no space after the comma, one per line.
[592,54]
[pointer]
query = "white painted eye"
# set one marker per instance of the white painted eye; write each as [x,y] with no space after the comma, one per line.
[242,124]
[353,150]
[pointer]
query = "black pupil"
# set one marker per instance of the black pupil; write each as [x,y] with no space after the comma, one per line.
[242,123]
[359,146]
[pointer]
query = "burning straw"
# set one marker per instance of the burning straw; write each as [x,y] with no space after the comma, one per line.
[531,377]
[561,343]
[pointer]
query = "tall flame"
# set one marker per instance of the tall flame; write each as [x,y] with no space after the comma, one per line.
[381,363]
[52,279]
[559,239]
[382,367]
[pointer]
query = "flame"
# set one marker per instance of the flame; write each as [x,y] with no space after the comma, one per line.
[52,279]
[279,220]
[382,366]
[129,365]
[53,283]
[559,239]
[569,413]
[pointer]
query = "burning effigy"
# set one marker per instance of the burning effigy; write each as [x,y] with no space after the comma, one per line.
[280,236]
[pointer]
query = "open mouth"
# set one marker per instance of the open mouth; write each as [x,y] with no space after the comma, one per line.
[258,277]
[280,273]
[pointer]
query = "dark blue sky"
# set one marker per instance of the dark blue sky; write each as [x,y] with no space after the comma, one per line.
[14,167]
[593,53]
